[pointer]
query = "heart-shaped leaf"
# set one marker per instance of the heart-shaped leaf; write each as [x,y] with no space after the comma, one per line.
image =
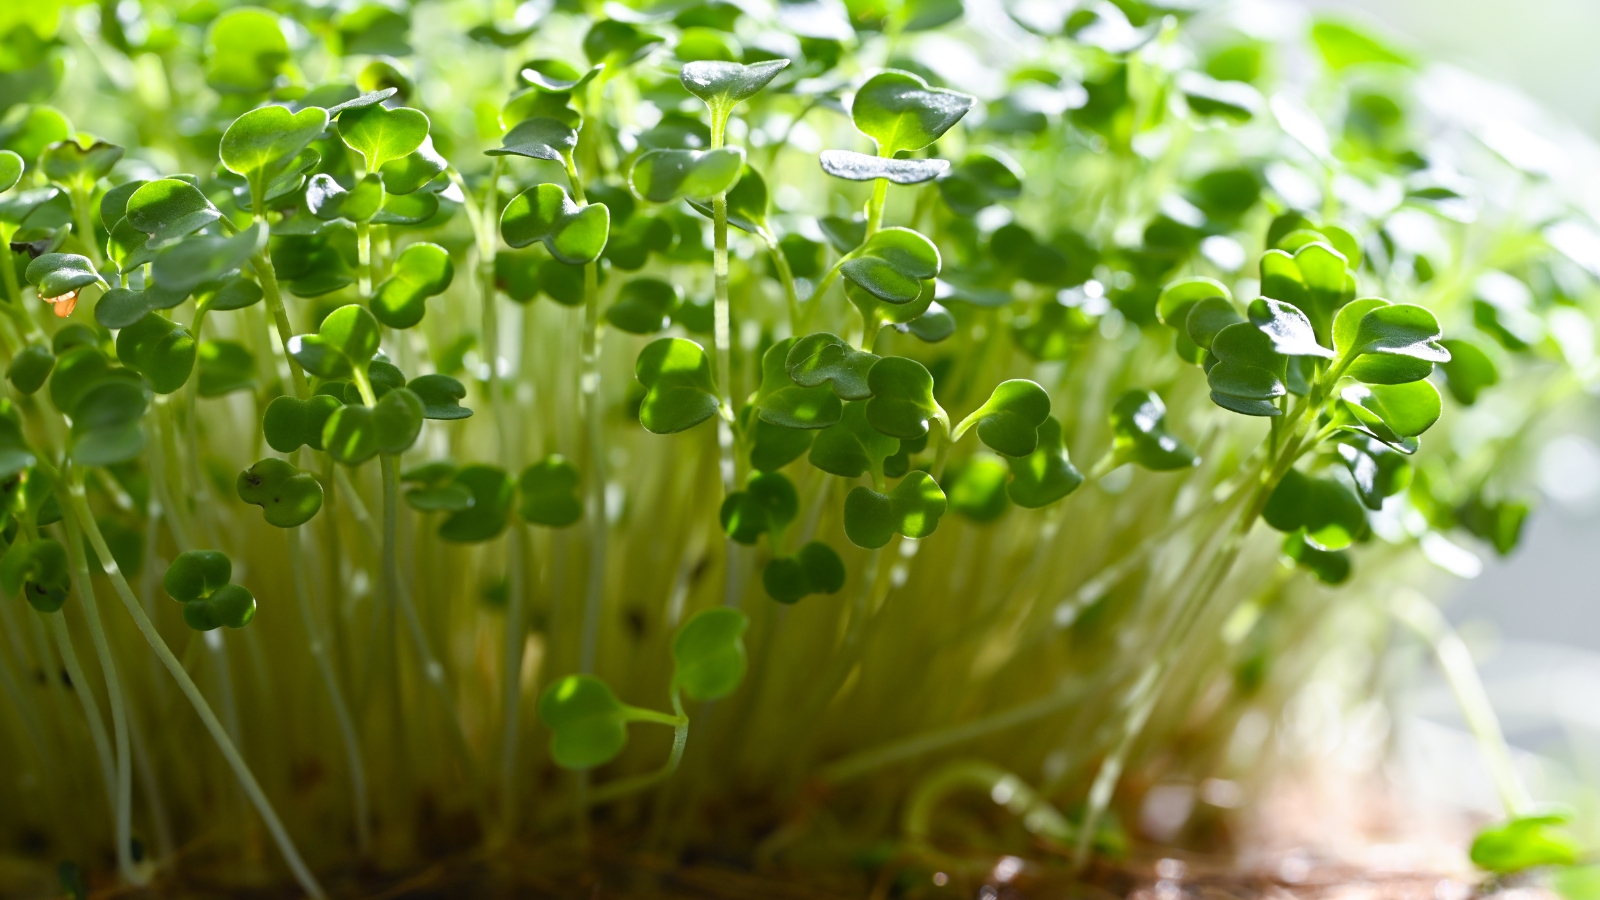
[197,574]
[539,138]
[411,172]
[1328,512]
[815,569]
[902,398]
[246,51]
[225,367]
[893,264]
[30,367]
[1393,411]
[852,166]
[662,176]
[679,390]
[780,401]
[1009,420]
[351,435]
[380,134]
[1045,475]
[233,293]
[328,200]
[37,570]
[550,493]
[492,491]
[77,166]
[573,234]
[1139,424]
[186,265]
[644,306]
[766,506]
[1206,319]
[1288,328]
[233,606]
[262,143]
[61,274]
[983,179]
[912,509]
[159,349]
[168,209]
[105,423]
[708,653]
[343,345]
[422,270]
[1401,330]
[588,724]
[824,358]
[852,447]
[290,423]
[1469,370]
[440,395]
[900,111]
[437,490]
[397,420]
[724,85]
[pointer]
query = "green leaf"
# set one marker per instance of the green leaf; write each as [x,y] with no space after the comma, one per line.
[380,134]
[747,205]
[290,423]
[1045,475]
[10,170]
[679,390]
[414,170]
[977,488]
[774,446]
[1330,513]
[724,85]
[573,234]
[852,447]
[617,44]
[984,178]
[350,435]
[60,274]
[159,349]
[1468,371]
[1499,523]
[105,423]
[900,111]
[233,293]
[422,270]
[824,358]
[1331,567]
[440,395]
[1287,327]
[662,176]
[708,653]
[1139,424]
[1526,842]
[77,166]
[30,367]
[853,166]
[550,493]
[492,491]
[263,143]
[343,344]
[397,420]
[644,306]
[168,209]
[902,398]
[1179,298]
[1400,330]
[196,260]
[1343,45]
[1394,410]
[225,367]
[588,723]
[893,264]
[36,569]
[913,509]
[815,569]
[328,200]
[1206,319]
[1009,420]
[766,506]
[197,574]
[287,496]
[782,402]
[1379,471]
[556,77]
[539,138]
[232,606]
[245,51]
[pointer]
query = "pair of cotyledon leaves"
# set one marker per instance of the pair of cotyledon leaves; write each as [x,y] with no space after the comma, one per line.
[202,580]
[589,725]
[901,113]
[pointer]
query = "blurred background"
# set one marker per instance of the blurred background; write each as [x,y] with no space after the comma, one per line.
[1532,620]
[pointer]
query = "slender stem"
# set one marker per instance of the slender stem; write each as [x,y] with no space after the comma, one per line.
[364,276]
[119,711]
[330,679]
[97,725]
[589,391]
[680,737]
[491,314]
[241,770]
[880,195]
[786,278]
[85,225]
[280,317]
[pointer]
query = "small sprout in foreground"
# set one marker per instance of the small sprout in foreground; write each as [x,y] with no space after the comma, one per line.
[286,495]
[200,580]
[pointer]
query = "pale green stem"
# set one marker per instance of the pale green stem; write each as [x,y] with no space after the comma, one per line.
[97,725]
[680,737]
[722,316]
[786,277]
[364,277]
[241,770]
[119,711]
[280,317]
[589,391]
[880,195]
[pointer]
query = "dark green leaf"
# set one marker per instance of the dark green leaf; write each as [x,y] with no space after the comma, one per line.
[680,392]
[1139,423]
[912,509]
[550,493]
[1045,475]
[900,111]
[573,234]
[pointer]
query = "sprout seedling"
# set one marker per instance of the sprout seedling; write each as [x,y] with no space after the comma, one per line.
[201,581]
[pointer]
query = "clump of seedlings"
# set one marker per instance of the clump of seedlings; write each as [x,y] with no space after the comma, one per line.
[855,440]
